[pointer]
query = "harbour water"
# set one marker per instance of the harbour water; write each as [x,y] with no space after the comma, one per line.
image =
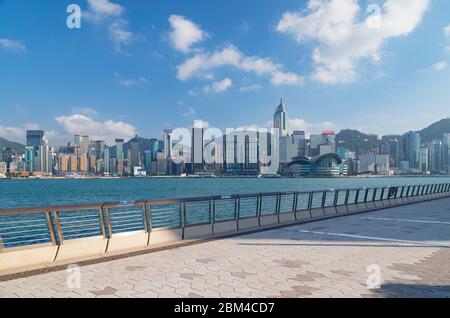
[41,192]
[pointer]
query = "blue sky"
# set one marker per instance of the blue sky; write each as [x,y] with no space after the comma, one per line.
[142,66]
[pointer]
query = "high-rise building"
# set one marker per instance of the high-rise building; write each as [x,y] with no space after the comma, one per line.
[394,152]
[83,143]
[436,156]
[29,158]
[424,156]
[197,146]
[134,157]
[446,156]
[168,143]
[119,149]
[148,161]
[99,146]
[281,120]
[35,138]
[411,149]
[106,161]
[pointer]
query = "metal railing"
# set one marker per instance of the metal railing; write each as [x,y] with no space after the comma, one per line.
[57,224]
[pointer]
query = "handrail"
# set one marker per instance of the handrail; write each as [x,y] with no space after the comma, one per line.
[59,223]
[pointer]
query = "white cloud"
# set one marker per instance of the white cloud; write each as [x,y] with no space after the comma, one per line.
[106,130]
[111,14]
[447,30]
[12,45]
[202,63]
[439,66]
[342,39]
[280,78]
[130,81]
[218,87]
[102,9]
[250,88]
[184,33]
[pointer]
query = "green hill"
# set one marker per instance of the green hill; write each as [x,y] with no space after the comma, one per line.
[435,130]
[13,145]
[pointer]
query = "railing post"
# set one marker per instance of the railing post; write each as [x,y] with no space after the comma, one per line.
[144,215]
[51,228]
[310,200]
[259,208]
[365,197]
[238,210]
[324,198]
[184,219]
[102,221]
[108,222]
[213,214]
[58,227]
[278,208]
[335,201]
[295,205]
[347,195]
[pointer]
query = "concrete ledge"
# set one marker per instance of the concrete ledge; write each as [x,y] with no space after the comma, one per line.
[163,236]
[198,231]
[352,208]
[287,217]
[129,240]
[317,213]
[91,246]
[302,215]
[225,227]
[342,209]
[248,223]
[268,220]
[25,257]
[330,210]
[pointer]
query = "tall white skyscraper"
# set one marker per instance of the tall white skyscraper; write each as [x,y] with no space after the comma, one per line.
[281,120]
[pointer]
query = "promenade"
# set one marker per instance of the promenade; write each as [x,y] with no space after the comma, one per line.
[410,245]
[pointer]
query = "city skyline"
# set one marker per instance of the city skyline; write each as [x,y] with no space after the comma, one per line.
[131,70]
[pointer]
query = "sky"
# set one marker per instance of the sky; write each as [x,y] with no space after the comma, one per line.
[139,67]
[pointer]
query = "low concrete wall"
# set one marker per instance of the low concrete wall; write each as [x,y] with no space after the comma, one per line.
[127,241]
[248,223]
[85,247]
[267,220]
[164,236]
[287,217]
[17,258]
[198,231]
[225,227]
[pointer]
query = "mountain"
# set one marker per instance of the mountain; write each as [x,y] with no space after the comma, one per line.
[435,130]
[19,148]
[357,141]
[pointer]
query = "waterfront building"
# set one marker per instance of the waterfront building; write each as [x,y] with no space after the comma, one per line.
[168,143]
[113,166]
[106,161]
[154,148]
[119,149]
[281,119]
[83,163]
[3,169]
[424,156]
[411,149]
[446,156]
[148,161]
[394,152]
[99,148]
[29,158]
[327,165]
[322,144]
[83,144]
[134,154]
[161,164]
[375,163]
[35,138]
[197,145]
[436,153]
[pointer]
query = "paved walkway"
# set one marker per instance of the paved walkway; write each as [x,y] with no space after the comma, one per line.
[408,246]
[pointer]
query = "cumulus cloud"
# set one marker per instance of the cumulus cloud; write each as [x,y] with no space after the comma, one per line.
[184,33]
[105,11]
[341,39]
[218,87]
[447,30]
[106,130]
[12,45]
[439,66]
[203,63]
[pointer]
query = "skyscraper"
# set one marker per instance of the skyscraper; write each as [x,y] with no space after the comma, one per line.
[436,156]
[447,153]
[29,158]
[281,119]
[35,138]
[411,149]
[134,158]
[119,149]
[168,143]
